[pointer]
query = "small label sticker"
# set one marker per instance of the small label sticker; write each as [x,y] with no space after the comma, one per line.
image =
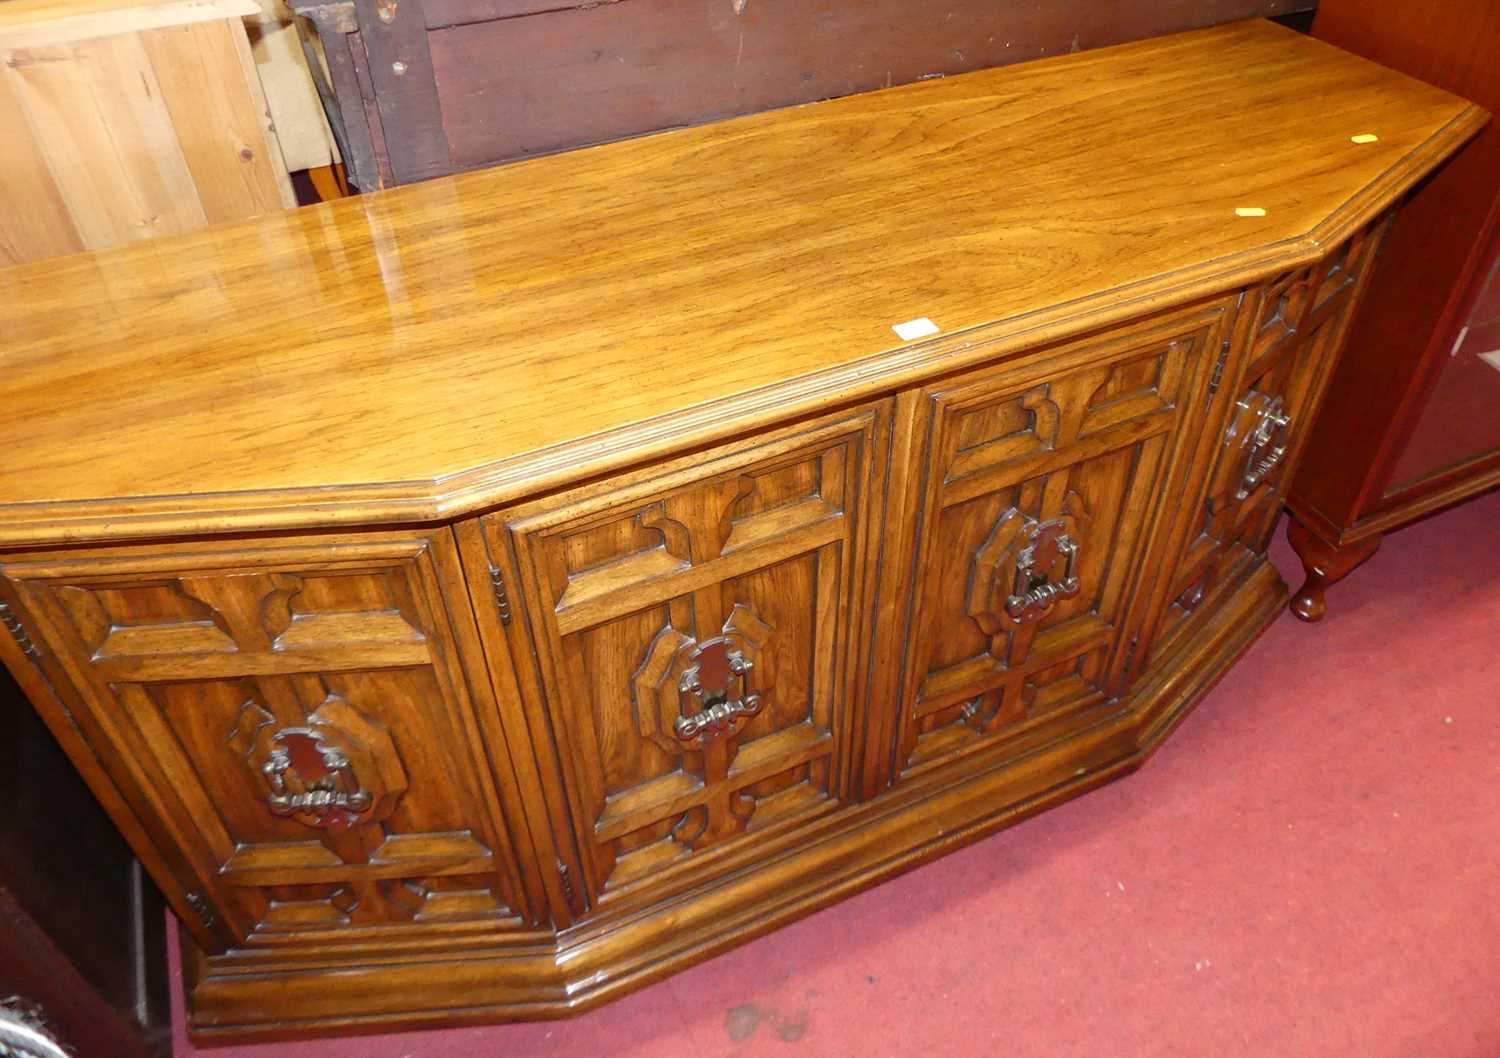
[914,329]
[1364,137]
[1249,211]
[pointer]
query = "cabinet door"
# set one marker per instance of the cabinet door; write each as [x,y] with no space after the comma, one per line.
[290,720]
[1285,350]
[1042,480]
[695,629]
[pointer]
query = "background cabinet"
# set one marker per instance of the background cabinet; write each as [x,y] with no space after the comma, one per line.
[1412,419]
[429,87]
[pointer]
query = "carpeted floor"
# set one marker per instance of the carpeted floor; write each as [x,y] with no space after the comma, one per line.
[1311,866]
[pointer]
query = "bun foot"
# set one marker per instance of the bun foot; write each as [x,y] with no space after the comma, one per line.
[1325,564]
[1309,603]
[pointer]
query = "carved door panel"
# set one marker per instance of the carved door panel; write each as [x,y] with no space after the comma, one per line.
[695,631]
[290,719]
[1289,339]
[1043,482]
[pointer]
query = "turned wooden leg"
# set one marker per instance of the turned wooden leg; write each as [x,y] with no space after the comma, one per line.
[1324,564]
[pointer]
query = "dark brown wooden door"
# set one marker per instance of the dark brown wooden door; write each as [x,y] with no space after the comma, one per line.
[290,718]
[1043,485]
[696,630]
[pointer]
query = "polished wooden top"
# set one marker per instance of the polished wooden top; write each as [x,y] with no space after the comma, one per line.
[428,350]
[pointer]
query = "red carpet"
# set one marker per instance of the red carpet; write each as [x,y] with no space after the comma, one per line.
[1310,866]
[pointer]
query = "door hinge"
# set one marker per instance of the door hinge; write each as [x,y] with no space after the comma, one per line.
[202,909]
[502,597]
[1218,375]
[1135,641]
[567,884]
[17,631]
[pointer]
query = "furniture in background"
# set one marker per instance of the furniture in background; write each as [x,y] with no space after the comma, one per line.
[127,120]
[292,94]
[1412,419]
[429,87]
[81,928]
[493,628]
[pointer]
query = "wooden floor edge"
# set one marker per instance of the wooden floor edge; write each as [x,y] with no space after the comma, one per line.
[1123,741]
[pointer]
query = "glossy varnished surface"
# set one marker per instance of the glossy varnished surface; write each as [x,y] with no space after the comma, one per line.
[432,349]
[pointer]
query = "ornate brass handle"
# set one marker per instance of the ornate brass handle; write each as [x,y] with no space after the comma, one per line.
[1266,445]
[1034,592]
[313,780]
[715,684]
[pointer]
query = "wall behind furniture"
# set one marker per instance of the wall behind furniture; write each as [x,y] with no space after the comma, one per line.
[427,87]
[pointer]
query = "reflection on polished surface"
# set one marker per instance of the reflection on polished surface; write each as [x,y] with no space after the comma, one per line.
[382,343]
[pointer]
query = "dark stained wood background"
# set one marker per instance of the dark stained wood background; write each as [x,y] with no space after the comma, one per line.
[495,80]
[81,928]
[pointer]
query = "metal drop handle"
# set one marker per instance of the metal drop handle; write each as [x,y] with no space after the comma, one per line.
[1034,592]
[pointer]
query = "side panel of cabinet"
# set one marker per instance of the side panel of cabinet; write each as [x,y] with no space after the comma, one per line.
[1284,353]
[291,720]
[1037,486]
[685,646]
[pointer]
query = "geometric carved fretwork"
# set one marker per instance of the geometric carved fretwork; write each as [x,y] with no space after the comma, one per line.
[1026,548]
[662,704]
[693,648]
[273,683]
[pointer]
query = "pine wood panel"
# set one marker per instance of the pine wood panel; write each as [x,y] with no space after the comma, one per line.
[463,342]
[97,108]
[126,126]
[44,228]
[29,23]
[218,111]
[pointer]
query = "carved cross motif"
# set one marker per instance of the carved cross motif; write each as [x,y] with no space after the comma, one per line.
[694,698]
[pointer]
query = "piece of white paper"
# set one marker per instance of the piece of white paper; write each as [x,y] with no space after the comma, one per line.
[913,329]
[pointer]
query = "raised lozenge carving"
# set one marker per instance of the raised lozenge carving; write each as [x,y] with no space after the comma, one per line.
[689,693]
[338,770]
[1026,566]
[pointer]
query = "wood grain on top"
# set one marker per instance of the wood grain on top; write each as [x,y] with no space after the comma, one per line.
[436,348]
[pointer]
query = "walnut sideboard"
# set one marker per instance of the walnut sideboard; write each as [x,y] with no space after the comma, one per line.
[576,575]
